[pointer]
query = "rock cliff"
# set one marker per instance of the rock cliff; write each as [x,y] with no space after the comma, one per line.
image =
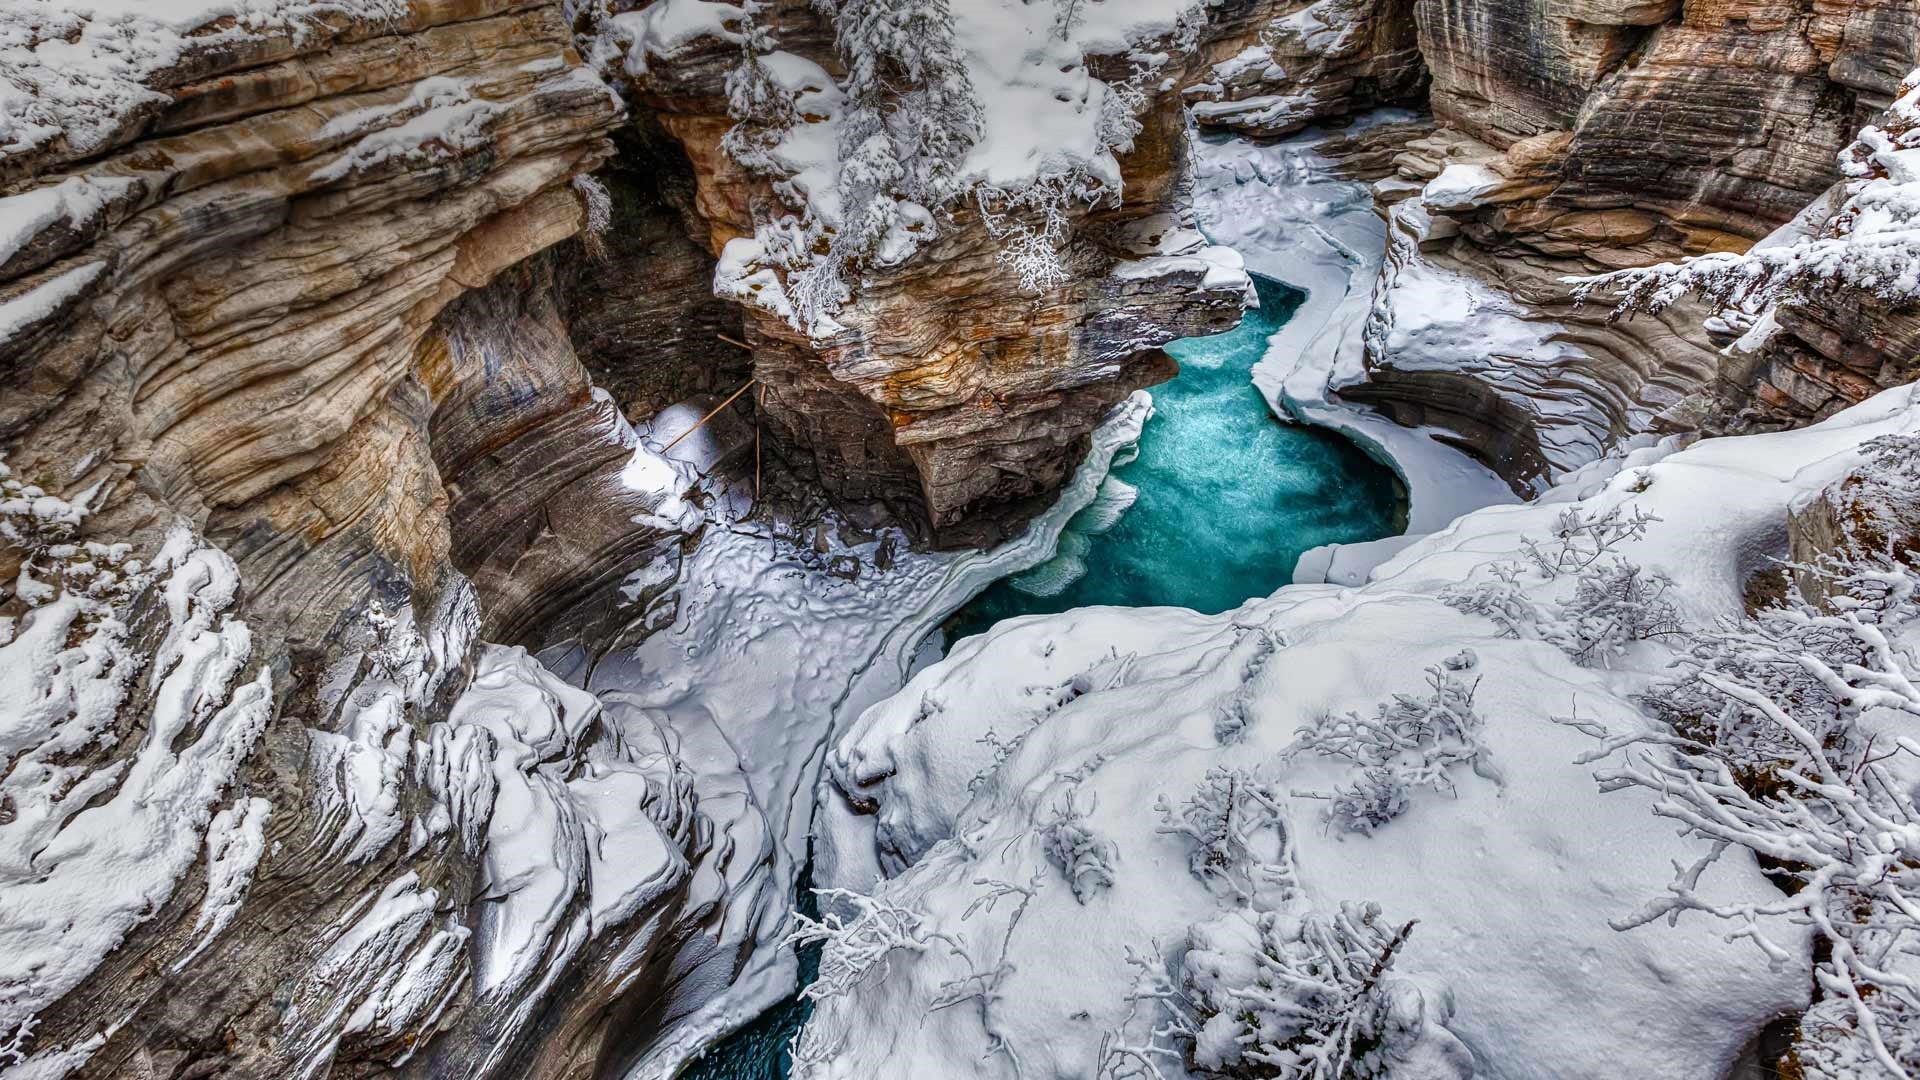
[1581,138]
[317,348]
[949,387]
[279,349]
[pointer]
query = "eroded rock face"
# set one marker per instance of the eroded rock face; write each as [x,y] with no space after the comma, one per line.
[292,304]
[1591,136]
[953,394]
[1309,63]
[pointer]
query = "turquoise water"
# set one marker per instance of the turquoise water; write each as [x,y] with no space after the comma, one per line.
[1219,504]
[1216,508]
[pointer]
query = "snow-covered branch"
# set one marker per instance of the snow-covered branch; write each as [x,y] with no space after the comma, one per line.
[1786,735]
[1409,742]
[1614,601]
[862,944]
[1221,819]
[1870,243]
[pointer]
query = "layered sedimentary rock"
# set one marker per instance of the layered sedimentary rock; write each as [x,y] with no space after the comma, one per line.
[1313,62]
[1583,137]
[950,390]
[1648,132]
[279,373]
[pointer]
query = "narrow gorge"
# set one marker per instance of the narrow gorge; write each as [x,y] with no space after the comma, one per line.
[1175,539]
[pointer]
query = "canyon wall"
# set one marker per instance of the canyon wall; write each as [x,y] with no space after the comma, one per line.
[950,390]
[291,422]
[317,348]
[317,354]
[1579,138]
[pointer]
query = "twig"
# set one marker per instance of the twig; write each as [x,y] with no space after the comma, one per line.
[704,419]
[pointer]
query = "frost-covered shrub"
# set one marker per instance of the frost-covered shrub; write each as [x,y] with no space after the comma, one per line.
[1409,742]
[1032,222]
[1374,797]
[1221,818]
[1578,541]
[1084,858]
[1236,712]
[1286,995]
[1790,735]
[1613,605]
[857,946]
[1614,601]
[1871,243]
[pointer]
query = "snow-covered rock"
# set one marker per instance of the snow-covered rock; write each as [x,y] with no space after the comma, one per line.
[1513,867]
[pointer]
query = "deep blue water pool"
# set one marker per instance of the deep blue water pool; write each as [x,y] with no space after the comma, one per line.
[1220,502]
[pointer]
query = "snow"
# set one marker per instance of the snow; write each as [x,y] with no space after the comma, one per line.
[1292,218]
[1019,123]
[1461,186]
[1180,251]
[767,656]
[661,29]
[1513,877]
[73,203]
[393,969]
[439,118]
[91,852]
[46,299]
[236,840]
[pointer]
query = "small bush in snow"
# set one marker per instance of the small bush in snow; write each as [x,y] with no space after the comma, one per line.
[1579,541]
[858,946]
[1287,996]
[1409,742]
[1084,858]
[1613,604]
[1614,601]
[1221,819]
[1788,735]
[1374,797]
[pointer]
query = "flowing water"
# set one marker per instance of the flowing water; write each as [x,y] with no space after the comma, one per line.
[1215,509]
